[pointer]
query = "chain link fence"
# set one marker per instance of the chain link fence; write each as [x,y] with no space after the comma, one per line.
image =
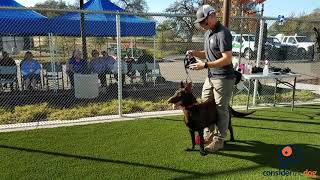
[152,64]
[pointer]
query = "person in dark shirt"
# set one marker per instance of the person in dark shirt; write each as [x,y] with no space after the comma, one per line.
[6,60]
[217,56]
[76,65]
[99,65]
[143,59]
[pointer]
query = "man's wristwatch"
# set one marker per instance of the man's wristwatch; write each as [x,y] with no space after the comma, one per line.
[205,65]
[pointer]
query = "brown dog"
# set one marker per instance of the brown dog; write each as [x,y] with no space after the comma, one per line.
[198,116]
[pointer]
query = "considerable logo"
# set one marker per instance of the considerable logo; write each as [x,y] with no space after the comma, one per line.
[310,173]
[289,155]
[287,151]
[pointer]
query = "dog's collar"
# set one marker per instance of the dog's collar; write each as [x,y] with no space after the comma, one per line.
[190,106]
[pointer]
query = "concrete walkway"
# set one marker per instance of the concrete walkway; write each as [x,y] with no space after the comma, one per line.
[301,86]
[311,87]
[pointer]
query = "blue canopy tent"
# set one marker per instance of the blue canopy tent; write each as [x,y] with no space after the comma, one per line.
[101,24]
[21,22]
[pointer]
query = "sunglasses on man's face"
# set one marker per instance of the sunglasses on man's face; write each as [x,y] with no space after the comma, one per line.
[204,22]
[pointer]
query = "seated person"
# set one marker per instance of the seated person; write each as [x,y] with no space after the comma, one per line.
[124,70]
[30,70]
[98,65]
[143,59]
[109,61]
[76,65]
[130,61]
[6,60]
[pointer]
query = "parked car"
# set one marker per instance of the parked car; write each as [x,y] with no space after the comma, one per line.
[246,43]
[274,49]
[303,44]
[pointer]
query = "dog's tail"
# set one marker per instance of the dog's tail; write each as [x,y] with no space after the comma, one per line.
[239,114]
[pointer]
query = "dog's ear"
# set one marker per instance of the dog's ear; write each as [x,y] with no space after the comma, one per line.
[189,87]
[182,84]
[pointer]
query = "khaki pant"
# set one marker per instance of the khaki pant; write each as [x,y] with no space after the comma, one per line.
[221,92]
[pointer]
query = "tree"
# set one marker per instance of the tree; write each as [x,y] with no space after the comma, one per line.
[300,25]
[52,4]
[184,26]
[135,6]
[165,34]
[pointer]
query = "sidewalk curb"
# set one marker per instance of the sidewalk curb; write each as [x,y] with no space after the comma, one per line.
[110,118]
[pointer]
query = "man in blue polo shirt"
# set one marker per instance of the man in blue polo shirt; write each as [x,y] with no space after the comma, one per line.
[217,54]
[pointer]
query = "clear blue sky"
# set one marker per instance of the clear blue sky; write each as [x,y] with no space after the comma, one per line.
[272,7]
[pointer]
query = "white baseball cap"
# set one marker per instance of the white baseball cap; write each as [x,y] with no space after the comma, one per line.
[203,12]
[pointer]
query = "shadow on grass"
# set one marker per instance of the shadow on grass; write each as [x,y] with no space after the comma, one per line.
[29,150]
[304,156]
[220,173]
[284,130]
[282,120]
[187,172]
[309,107]
[268,156]
[304,111]
[309,116]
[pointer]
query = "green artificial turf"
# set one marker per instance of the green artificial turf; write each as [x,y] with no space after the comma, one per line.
[154,149]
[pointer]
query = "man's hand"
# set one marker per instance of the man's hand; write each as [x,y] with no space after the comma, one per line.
[197,66]
[190,53]
[198,54]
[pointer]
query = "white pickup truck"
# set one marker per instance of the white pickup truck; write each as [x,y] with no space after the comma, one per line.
[303,44]
[247,43]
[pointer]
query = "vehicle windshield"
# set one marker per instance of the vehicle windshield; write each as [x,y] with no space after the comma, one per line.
[273,41]
[246,38]
[303,39]
[276,41]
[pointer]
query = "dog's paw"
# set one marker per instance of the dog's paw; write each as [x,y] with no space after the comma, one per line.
[189,149]
[203,153]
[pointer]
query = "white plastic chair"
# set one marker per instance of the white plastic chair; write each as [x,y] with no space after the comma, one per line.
[137,69]
[124,70]
[153,71]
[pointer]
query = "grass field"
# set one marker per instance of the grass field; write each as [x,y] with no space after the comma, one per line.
[154,149]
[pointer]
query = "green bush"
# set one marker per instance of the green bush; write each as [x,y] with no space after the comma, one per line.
[108,108]
[7,118]
[30,113]
[68,114]
[39,112]
[303,95]
[130,106]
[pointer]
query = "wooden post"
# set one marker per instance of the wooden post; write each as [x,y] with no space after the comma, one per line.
[84,42]
[226,12]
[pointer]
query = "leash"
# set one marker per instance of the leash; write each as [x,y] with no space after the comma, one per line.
[209,77]
[186,67]
[190,106]
[186,62]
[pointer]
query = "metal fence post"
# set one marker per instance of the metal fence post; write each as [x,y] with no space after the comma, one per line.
[154,59]
[259,55]
[119,65]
